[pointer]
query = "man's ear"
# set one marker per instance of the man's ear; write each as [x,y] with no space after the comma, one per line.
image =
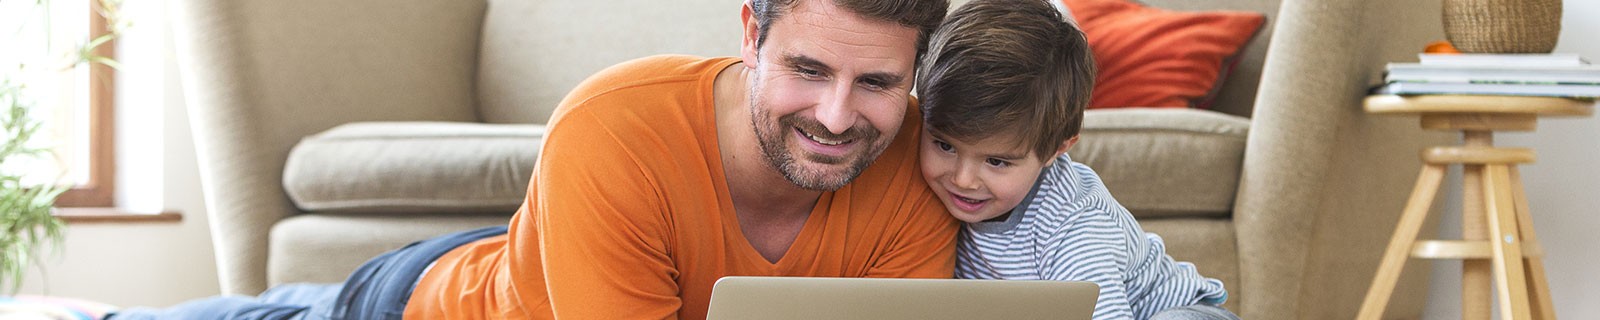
[748,45]
[1064,146]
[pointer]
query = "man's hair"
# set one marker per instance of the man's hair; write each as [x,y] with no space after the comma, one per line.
[924,15]
[1014,66]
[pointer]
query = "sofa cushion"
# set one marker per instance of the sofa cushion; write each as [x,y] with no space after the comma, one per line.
[1165,162]
[1237,95]
[413,167]
[325,248]
[1158,58]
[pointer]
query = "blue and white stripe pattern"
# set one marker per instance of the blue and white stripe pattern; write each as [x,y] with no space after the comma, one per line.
[1069,228]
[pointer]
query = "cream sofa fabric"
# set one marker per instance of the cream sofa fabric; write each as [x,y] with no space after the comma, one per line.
[1165,162]
[411,167]
[1318,183]
[325,248]
[533,51]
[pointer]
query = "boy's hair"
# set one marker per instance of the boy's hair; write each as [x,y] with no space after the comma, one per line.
[924,15]
[1013,66]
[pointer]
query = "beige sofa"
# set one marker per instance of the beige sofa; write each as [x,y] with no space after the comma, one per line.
[330,131]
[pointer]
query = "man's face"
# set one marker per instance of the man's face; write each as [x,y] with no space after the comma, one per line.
[828,92]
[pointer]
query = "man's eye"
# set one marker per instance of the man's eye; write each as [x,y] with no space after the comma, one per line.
[874,84]
[997,162]
[946,147]
[808,73]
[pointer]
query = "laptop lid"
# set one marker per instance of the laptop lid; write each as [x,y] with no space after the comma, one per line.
[780,298]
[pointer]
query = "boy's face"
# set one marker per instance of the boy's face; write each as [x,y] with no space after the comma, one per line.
[979,180]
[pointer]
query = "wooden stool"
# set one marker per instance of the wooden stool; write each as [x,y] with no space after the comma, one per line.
[1497,234]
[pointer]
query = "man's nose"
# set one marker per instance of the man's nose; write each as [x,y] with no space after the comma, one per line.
[834,110]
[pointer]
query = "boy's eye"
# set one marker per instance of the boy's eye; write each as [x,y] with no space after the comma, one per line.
[997,162]
[946,147]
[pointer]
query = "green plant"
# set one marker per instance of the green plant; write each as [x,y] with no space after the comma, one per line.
[27,219]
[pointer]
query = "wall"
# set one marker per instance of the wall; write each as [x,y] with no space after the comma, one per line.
[1562,187]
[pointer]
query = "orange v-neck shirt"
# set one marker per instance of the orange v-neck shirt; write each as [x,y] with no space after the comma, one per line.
[629,217]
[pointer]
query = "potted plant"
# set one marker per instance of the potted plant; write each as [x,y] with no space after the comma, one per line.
[27,217]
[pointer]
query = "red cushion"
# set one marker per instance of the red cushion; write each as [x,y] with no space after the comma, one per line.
[1149,57]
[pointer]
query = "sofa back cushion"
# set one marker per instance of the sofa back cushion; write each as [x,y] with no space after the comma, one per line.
[533,52]
[1165,162]
[1237,95]
[1153,57]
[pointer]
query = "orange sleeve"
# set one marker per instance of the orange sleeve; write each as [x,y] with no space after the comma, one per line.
[602,233]
[924,249]
[925,246]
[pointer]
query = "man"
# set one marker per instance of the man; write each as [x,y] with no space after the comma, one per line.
[661,175]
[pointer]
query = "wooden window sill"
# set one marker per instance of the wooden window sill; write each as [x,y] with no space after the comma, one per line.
[113,215]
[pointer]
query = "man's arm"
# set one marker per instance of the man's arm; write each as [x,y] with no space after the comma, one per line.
[925,247]
[601,234]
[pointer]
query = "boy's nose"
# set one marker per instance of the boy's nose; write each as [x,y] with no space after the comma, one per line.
[965,177]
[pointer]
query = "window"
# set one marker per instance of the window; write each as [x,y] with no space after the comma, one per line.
[97,183]
[73,103]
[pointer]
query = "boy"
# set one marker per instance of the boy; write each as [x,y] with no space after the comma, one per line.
[1003,89]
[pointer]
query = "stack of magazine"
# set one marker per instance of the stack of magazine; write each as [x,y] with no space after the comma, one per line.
[1548,75]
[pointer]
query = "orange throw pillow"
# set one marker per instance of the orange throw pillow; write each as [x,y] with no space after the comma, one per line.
[1149,57]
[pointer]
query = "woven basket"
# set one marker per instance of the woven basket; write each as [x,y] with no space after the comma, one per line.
[1503,26]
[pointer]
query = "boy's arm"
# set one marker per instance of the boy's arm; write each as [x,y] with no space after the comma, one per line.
[601,232]
[1089,246]
[1167,283]
[1100,241]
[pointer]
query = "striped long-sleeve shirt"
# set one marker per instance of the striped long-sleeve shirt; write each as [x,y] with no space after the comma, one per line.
[1069,228]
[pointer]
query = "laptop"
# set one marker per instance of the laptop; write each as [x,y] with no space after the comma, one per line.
[781,298]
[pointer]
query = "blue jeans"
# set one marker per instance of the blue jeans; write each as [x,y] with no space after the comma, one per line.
[1195,312]
[377,290]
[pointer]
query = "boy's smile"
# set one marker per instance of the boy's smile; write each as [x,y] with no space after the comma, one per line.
[967,203]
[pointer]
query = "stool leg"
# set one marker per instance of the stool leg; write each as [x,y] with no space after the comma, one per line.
[1394,258]
[1506,244]
[1476,296]
[1539,286]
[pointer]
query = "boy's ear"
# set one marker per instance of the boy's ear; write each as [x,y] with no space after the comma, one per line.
[748,44]
[1067,145]
[1064,146]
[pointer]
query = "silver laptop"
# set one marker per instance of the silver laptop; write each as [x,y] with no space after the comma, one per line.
[780,298]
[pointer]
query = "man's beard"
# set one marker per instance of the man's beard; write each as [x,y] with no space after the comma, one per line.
[774,147]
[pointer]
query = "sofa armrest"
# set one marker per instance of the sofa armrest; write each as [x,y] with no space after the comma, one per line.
[259,75]
[1315,161]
